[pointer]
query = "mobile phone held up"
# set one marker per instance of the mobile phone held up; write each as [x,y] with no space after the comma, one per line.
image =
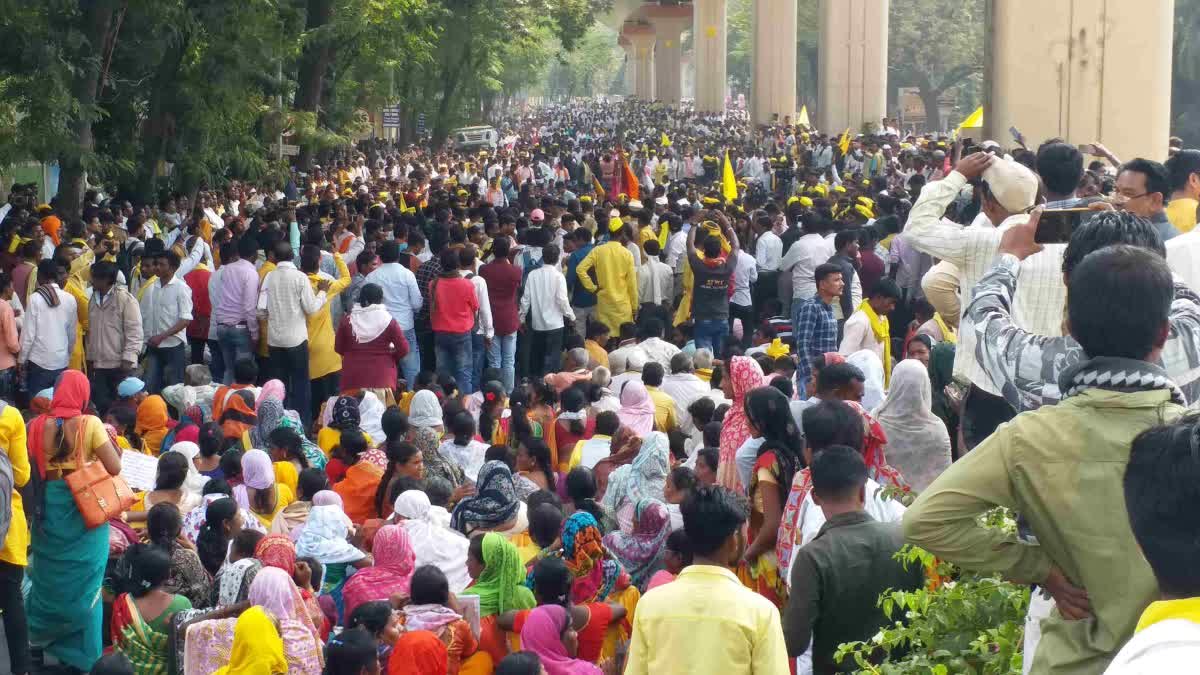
[1056,225]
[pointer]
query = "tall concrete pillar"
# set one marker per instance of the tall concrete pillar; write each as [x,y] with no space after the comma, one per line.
[627,83]
[1082,71]
[852,64]
[669,22]
[709,42]
[773,78]
[642,38]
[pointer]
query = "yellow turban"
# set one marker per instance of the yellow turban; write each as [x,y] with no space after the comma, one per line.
[792,200]
[615,224]
[806,202]
[864,212]
[839,188]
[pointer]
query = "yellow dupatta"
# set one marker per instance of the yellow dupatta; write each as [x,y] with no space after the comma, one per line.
[257,647]
[882,332]
[948,333]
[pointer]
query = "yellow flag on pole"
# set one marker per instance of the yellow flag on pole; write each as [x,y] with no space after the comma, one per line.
[974,121]
[844,143]
[802,120]
[728,181]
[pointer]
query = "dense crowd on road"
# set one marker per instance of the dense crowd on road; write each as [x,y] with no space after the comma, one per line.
[639,389]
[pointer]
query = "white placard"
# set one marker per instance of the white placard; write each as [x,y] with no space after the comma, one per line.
[138,470]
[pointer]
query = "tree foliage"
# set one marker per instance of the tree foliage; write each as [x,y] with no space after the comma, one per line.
[145,96]
[935,45]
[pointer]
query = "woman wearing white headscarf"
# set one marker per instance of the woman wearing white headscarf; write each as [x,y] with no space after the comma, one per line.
[425,411]
[195,481]
[370,412]
[872,369]
[324,538]
[434,545]
[917,441]
[644,478]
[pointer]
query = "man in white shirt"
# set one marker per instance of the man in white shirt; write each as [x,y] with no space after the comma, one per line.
[546,294]
[166,311]
[656,282]
[684,387]
[676,245]
[48,330]
[652,344]
[802,259]
[745,273]
[468,261]
[287,300]
[1009,190]
[858,334]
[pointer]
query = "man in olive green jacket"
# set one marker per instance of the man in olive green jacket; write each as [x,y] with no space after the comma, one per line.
[1061,466]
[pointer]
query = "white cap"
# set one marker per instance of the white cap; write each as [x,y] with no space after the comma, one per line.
[635,204]
[1012,184]
[614,214]
[661,201]
[683,202]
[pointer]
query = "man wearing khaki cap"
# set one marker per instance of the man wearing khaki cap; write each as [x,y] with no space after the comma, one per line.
[1008,191]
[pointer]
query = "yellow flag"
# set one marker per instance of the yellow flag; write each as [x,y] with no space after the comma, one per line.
[802,120]
[728,182]
[666,142]
[975,120]
[844,143]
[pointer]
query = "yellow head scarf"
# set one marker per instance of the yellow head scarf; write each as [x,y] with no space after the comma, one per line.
[777,349]
[257,647]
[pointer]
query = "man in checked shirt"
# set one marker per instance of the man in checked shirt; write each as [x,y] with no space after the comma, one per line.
[815,328]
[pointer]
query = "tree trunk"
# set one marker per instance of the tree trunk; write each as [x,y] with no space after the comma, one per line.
[95,25]
[313,64]
[441,128]
[933,116]
[159,129]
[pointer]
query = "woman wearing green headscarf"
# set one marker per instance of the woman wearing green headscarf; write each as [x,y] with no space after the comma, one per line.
[941,374]
[494,564]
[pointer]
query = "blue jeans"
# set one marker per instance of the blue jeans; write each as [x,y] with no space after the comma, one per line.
[410,365]
[503,355]
[478,360]
[453,352]
[164,365]
[711,334]
[234,342]
[38,378]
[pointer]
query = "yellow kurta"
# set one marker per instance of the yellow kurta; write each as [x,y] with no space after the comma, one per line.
[81,325]
[322,359]
[267,268]
[617,293]
[12,441]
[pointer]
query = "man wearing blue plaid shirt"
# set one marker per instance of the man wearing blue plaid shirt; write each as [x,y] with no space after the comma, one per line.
[815,329]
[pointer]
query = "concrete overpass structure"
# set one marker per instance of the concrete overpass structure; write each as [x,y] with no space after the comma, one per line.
[1082,70]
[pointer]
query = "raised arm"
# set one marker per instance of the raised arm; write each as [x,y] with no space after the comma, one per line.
[926,230]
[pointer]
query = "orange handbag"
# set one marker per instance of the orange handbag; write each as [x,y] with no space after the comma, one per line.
[99,496]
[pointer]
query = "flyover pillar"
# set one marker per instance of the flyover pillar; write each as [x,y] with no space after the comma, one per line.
[1082,71]
[773,81]
[642,38]
[628,88]
[669,22]
[709,55]
[852,64]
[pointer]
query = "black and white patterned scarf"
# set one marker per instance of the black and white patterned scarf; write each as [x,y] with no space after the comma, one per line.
[1117,374]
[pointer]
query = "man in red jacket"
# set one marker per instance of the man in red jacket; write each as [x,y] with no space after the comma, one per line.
[503,281]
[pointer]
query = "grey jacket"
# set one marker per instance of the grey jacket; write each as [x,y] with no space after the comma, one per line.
[114,329]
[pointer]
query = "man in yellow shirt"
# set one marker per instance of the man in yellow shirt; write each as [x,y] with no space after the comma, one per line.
[665,419]
[616,281]
[13,557]
[1184,171]
[705,621]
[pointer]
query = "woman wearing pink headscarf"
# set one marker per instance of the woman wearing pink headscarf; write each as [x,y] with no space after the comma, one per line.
[637,409]
[208,643]
[259,493]
[548,633]
[741,375]
[395,563]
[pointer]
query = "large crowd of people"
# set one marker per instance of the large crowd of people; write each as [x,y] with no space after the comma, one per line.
[639,390]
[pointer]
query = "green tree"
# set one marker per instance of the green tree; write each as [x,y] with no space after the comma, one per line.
[934,45]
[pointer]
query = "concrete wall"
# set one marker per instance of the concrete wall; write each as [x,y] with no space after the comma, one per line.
[852,66]
[1082,70]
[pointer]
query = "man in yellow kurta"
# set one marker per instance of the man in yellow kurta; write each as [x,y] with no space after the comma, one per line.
[323,361]
[617,290]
